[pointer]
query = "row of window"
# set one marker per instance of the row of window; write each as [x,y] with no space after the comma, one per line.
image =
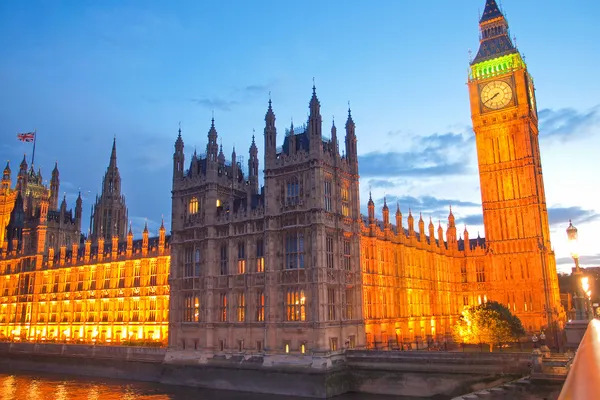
[293,258]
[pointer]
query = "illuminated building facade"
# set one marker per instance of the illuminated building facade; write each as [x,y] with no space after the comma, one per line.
[294,267]
[56,285]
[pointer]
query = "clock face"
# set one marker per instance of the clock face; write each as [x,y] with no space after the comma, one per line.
[496,94]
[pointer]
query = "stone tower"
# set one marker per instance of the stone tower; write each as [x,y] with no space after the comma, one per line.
[249,261]
[505,122]
[109,214]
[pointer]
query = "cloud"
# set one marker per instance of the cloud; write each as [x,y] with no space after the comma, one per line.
[382,183]
[567,123]
[560,215]
[215,103]
[586,260]
[556,215]
[434,155]
[238,96]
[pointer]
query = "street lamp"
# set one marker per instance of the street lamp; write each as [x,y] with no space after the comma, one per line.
[576,273]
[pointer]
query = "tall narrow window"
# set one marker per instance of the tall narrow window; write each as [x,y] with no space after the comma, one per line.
[327,193]
[241,262]
[188,259]
[153,273]
[137,272]
[120,309]
[241,307]
[480,272]
[106,277]
[197,261]
[193,207]
[260,306]
[294,250]
[463,273]
[260,256]
[135,310]
[331,304]
[292,195]
[345,195]
[152,309]
[347,305]
[295,305]
[329,251]
[224,259]
[121,277]
[191,308]
[223,304]
[347,255]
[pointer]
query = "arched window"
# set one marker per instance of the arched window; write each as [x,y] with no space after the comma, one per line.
[193,206]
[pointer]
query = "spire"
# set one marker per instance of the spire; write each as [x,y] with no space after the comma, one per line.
[371,203]
[385,206]
[349,121]
[398,213]
[491,11]
[162,224]
[146,227]
[7,170]
[113,154]
[451,217]
[495,40]
[24,163]
[55,170]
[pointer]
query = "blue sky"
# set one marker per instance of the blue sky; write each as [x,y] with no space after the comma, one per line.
[81,72]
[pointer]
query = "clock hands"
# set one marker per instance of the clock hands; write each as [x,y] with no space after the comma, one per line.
[492,98]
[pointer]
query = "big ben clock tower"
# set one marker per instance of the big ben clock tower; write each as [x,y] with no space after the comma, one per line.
[515,216]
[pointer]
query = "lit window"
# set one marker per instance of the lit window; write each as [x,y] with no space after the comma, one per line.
[260,256]
[241,307]
[295,305]
[241,258]
[345,195]
[260,306]
[218,203]
[193,207]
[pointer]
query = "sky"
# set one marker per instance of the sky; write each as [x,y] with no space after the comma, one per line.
[84,72]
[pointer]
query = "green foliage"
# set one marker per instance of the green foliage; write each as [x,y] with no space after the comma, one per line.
[490,323]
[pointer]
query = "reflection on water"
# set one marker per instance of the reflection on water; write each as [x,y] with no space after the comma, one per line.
[38,386]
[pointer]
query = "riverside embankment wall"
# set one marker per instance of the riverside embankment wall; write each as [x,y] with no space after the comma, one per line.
[419,374]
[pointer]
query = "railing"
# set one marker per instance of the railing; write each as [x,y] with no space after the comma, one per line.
[584,374]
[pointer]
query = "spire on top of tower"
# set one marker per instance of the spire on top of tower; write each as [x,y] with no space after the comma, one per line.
[113,153]
[55,170]
[491,11]
[495,40]
[370,199]
[7,168]
[398,208]
[349,121]
[385,206]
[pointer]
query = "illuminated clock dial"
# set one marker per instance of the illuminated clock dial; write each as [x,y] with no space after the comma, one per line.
[496,94]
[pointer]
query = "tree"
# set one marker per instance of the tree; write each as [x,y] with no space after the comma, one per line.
[490,323]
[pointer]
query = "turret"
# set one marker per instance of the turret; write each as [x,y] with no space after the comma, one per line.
[421,228]
[451,231]
[351,145]
[14,229]
[411,224]
[63,206]
[54,187]
[371,206]
[386,215]
[234,167]
[74,251]
[466,236]
[50,257]
[161,237]
[291,140]
[22,176]
[178,157]
[6,180]
[212,148]
[101,245]
[315,124]
[145,240]
[399,227]
[270,135]
[114,249]
[253,167]
[334,140]
[221,156]
[440,232]
[129,249]
[431,232]
[78,211]
[87,248]
[62,255]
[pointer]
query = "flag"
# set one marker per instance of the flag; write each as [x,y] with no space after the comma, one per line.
[26,137]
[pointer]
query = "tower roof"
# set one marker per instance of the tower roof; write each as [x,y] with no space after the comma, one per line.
[113,154]
[491,11]
[495,40]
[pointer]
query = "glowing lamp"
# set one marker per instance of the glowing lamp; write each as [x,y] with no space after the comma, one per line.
[572,236]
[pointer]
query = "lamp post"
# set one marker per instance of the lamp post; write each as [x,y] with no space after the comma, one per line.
[576,274]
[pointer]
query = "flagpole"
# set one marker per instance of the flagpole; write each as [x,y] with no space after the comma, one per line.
[34,139]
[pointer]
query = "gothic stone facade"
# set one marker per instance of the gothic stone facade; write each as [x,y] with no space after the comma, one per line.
[294,267]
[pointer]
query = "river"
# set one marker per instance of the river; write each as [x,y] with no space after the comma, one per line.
[42,386]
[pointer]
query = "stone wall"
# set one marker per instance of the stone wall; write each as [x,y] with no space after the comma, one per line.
[416,374]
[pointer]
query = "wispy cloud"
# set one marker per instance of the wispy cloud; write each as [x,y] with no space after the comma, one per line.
[429,156]
[586,260]
[568,123]
[215,103]
[556,216]
[237,96]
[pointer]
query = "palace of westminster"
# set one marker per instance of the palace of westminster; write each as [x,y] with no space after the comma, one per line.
[291,266]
